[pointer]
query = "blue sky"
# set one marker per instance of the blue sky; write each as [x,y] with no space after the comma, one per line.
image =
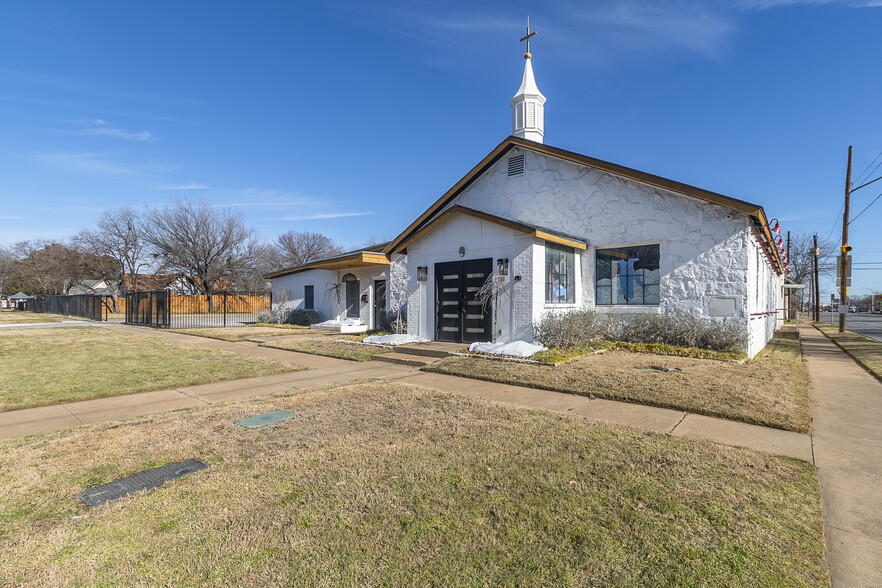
[351,118]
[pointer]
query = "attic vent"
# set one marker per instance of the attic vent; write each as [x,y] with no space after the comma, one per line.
[516,165]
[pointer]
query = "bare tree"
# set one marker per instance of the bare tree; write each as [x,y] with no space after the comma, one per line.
[802,250]
[210,246]
[46,267]
[299,247]
[490,292]
[375,240]
[118,236]
[7,269]
[399,290]
[801,253]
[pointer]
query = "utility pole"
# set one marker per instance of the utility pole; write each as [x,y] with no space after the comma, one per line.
[816,302]
[843,257]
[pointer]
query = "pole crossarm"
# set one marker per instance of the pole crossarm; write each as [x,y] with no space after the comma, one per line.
[866,184]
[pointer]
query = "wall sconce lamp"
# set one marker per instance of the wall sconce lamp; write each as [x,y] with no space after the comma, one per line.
[422,273]
[364,298]
[462,251]
[502,266]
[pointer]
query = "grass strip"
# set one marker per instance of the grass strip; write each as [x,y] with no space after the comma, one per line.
[771,390]
[866,352]
[50,366]
[557,356]
[241,333]
[387,485]
[329,347]
[26,317]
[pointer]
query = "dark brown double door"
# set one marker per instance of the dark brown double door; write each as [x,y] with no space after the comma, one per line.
[460,318]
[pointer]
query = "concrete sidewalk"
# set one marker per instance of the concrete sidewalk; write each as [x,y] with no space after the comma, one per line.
[327,370]
[846,405]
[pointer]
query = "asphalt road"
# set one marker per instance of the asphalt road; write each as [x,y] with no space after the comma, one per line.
[865,323]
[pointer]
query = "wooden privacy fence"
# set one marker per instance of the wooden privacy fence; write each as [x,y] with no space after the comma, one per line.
[161,308]
[186,304]
[229,301]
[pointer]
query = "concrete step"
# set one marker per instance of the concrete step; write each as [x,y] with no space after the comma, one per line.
[787,332]
[433,349]
[405,359]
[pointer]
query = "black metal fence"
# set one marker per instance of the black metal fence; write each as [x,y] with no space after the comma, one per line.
[148,309]
[90,306]
[165,309]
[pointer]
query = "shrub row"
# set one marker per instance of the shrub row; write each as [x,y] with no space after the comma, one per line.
[579,327]
[290,316]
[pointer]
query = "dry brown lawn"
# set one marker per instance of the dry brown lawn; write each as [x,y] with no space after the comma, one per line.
[24,317]
[387,485]
[50,366]
[771,390]
[241,333]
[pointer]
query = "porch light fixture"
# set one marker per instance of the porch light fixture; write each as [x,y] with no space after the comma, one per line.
[502,266]
[349,277]
[422,273]
[462,251]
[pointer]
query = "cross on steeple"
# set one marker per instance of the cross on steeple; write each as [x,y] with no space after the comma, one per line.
[527,55]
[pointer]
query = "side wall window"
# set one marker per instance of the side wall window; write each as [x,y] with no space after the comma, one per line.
[309,297]
[560,275]
[627,275]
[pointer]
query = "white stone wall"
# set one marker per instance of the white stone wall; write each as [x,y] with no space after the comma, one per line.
[765,301]
[481,239]
[292,286]
[325,300]
[703,247]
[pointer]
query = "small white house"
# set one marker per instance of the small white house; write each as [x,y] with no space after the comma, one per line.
[556,231]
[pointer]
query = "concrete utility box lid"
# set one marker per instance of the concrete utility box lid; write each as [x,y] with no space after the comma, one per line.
[268,418]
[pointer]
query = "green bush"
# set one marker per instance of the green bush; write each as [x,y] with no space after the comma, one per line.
[579,327]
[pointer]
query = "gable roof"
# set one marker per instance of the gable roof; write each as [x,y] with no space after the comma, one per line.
[360,258]
[754,210]
[518,226]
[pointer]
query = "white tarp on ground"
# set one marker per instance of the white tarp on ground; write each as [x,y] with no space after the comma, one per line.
[514,349]
[335,323]
[394,339]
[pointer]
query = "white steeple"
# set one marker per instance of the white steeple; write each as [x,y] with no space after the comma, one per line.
[528,105]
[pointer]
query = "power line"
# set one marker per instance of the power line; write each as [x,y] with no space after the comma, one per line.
[836,222]
[858,180]
[865,209]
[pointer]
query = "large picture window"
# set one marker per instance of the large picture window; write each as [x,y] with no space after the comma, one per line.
[627,275]
[560,275]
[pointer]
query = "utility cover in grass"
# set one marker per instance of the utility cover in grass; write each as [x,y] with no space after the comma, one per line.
[146,480]
[268,418]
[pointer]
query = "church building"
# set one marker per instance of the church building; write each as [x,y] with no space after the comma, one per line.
[543,230]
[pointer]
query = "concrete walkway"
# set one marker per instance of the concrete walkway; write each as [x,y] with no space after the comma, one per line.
[327,370]
[846,405]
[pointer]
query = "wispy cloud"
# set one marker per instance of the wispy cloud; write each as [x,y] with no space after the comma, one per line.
[324,215]
[100,127]
[99,163]
[766,4]
[119,134]
[605,33]
[184,187]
